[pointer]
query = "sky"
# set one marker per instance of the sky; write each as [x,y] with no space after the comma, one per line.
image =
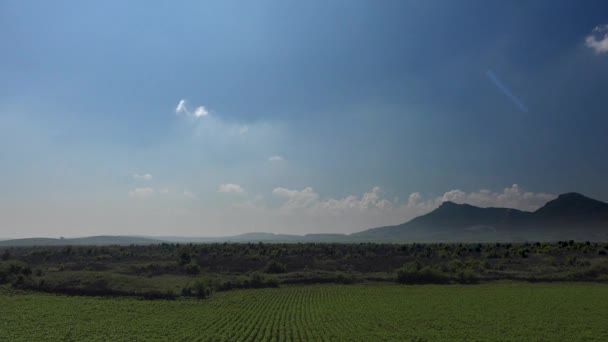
[213,118]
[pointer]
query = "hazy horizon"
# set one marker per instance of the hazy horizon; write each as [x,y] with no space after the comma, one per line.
[214,118]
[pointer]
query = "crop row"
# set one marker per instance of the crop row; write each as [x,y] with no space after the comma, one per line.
[319,313]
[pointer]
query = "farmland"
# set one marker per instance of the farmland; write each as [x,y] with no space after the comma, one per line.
[363,312]
[308,292]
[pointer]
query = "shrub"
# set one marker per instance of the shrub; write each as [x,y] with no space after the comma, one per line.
[596,270]
[184,258]
[193,269]
[187,291]
[413,274]
[467,277]
[275,267]
[201,289]
[258,280]
[154,295]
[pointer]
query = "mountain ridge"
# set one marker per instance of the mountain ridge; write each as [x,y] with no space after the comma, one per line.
[570,216]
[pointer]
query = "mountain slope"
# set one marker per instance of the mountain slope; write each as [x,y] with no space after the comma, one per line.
[573,207]
[570,216]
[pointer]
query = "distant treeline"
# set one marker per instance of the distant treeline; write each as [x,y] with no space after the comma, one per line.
[166,271]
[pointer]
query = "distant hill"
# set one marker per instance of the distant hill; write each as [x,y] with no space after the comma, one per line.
[261,237]
[570,216]
[85,241]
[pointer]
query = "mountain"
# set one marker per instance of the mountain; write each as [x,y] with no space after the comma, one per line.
[574,207]
[569,216]
[447,222]
[85,241]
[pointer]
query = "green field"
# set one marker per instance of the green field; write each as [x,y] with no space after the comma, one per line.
[370,312]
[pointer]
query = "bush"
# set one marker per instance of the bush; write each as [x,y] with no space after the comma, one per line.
[201,289]
[571,260]
[467,277]
[258,280]
[275,267]
[413,274]
[193,269]
[184,257]
[597,270]
[154,295]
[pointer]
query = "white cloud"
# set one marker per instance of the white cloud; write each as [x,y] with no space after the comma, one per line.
[275,158]
[141,192]
[142,177]
[413,199]
[373,208]
[457,196]
[511,197]
[598,39]
[181,107]
[310,200]
[243,130]
[199,111]
[230,188]
[188,193]
[297,199]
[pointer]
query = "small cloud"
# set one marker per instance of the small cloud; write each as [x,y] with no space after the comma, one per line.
[142,177]
[181,107]
[141,192]
[163,191]
[243,130]
[188,193]
[598,39]
[200,111]
[276,158]
[230,188]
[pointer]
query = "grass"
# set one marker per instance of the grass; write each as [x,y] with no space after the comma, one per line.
[364,312]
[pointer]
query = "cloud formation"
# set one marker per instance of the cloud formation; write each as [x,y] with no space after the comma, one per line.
[598,39]
[198,112]
[142,192]
[142,177]
[230,188]
[374,206]
[511,197]
[275,158]
[297,199]
[181,107]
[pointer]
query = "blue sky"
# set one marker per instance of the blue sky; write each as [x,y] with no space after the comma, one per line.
[314,116]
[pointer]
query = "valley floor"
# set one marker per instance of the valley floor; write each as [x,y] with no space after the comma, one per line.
[365,312]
